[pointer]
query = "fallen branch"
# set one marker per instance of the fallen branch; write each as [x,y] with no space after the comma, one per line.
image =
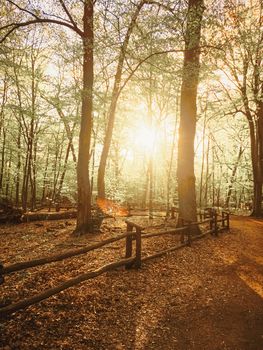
[49,216]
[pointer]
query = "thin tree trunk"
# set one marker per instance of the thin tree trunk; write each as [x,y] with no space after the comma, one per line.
[168,186]
[3,103]
[207,176]
[203,159]
[146,189]
[33,177]
[2,160]
[232,179]
[25,181]
[62,176]
[31,168]
[213,175]
[150,155]
[18,167]
[57,166]
[113,105]
[45,177]
[218,204]
[8,171]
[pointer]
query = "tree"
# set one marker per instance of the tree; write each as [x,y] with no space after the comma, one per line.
[242,61]
[187,127]
[117,87]
[38,16]
[119,83]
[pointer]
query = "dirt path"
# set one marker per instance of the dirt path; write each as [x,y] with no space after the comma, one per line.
[209,296]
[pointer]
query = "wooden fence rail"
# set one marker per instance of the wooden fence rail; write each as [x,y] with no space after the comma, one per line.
[58,257]
[129,260]
[69,283]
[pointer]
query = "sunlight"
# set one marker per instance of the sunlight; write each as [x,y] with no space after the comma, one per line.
[255,282]
[200,144]
[146,137]
[52,70]
[126,154]
[225,79]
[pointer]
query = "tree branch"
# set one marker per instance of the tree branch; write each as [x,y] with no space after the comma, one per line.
[23,9]
[71,25]
[68,14]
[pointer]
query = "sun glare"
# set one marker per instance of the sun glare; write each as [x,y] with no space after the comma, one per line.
[200,143]
[146,137]
[126,154]
[225,79]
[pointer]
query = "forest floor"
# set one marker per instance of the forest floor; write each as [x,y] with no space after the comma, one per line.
[208,296]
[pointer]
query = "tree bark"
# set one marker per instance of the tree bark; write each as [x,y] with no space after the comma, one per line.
[18,166]
[2,160]
[187,127]
[256,159]
[232,179]
[203,160]
[84,219]
[84,196]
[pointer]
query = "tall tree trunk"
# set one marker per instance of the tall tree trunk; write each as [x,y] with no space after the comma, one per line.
[93,153]
[113,105]
[27,174]
[257,171]
[2,160]
[257,158]
[145,189]
[84,222]
[151,153]
[57,166]
[170,166]
[18,166]
[33,177]
[63,174]
[8,171]
[207,175]
[232,179]
[187,128]
[203,161]
[45,177]
[255,122]
[213,175]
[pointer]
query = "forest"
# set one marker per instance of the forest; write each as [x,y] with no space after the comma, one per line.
[138,125]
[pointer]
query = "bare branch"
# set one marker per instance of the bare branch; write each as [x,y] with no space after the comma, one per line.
[36,21]
[23,9]
[68,14]
[63,22]
[151,55]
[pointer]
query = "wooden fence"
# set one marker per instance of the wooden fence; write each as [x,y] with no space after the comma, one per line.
[134,234]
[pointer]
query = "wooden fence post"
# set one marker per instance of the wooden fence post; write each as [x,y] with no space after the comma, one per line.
[216,227]
[189,235]
[128,253]
[211,217]
[138,248]
[1,275]
[227,220]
